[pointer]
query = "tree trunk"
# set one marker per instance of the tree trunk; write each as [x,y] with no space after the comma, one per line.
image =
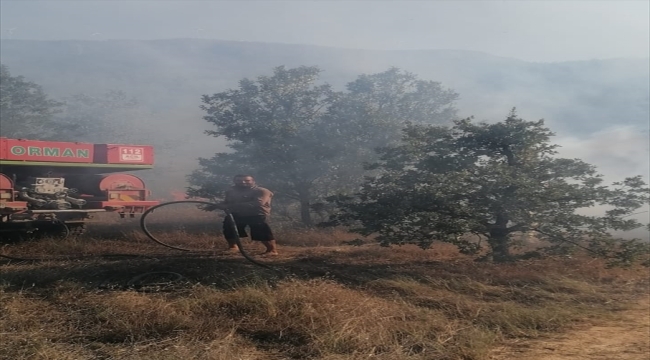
[499,239]
[305,213]
[500,248]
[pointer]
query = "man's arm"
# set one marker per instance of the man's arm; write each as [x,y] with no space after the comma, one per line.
[221,205]
[263,197]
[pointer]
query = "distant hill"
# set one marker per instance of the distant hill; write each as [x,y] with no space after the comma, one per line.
[582,96]
[169,76]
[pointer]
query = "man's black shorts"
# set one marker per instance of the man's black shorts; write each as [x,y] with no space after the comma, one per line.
[260,229]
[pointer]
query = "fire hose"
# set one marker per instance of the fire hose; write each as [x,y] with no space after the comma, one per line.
[228,221]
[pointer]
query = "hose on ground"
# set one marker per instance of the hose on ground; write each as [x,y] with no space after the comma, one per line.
[229,221]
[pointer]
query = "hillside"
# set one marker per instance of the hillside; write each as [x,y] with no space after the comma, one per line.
[168,77]
[574,96]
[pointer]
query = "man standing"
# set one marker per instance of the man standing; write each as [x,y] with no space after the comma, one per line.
[250,205]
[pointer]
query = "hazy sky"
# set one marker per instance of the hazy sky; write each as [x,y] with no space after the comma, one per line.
[550,30]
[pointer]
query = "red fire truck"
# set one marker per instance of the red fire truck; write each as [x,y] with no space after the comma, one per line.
[53,188]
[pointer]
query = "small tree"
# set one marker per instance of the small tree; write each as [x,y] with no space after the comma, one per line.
[491,180]
[25,109]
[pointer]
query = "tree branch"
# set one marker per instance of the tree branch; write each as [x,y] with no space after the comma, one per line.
[566,240]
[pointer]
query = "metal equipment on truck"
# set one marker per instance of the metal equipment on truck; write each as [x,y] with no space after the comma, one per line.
[53,188]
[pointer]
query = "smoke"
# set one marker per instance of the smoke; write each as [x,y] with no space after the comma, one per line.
[598,108]
[617,152]
[531,30]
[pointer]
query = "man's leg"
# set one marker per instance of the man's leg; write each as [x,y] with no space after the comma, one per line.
[231,233]
[261,231]
[232,245]
[271,247]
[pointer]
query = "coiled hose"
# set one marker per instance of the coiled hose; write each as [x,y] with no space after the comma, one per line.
[229,221]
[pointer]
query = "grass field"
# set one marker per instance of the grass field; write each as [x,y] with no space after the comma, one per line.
[114,294]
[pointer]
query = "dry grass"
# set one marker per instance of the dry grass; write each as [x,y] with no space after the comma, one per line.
[332,302]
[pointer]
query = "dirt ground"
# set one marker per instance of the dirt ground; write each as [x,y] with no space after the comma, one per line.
[627,338]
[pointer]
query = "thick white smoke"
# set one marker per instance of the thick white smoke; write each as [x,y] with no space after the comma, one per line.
[617,152]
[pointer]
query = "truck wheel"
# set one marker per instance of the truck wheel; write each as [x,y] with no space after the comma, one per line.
[56,231]
[77,229]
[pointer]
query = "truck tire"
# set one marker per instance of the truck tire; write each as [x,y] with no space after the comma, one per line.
[77,229]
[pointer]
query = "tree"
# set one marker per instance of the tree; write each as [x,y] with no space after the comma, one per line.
[372,114]
[25,109]
[491,180]
[102,118]
[306,141]
[381,105]
[270,123]
[27,112]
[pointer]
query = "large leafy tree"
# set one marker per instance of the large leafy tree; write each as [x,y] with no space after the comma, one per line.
[378,106]
[371,114]
[304,140]
[270,124]
[25,109]
[491,180]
